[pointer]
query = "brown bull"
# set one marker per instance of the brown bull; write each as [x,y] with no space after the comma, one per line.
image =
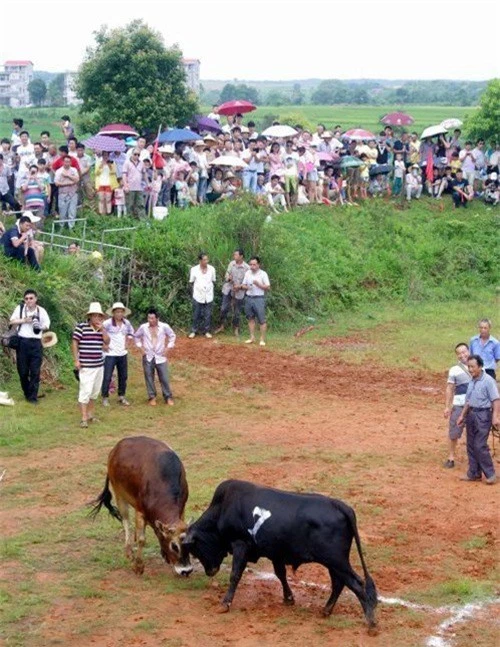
[148,475]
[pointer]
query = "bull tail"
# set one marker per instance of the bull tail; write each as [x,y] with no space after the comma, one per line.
[370,588]
[104,499]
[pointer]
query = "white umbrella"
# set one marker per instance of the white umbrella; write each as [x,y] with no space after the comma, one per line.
[228,160]
[432,131]
[451,123]
[279,131]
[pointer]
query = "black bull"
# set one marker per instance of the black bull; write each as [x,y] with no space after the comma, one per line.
[251,522]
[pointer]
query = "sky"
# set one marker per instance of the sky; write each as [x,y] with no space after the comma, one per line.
[274,39]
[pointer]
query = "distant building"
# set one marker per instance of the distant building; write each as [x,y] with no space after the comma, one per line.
[14,80]
[192,70]
[69,94]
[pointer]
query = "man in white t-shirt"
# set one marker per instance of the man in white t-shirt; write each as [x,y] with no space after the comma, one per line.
[202,277]
[256,283]
[456,389]
[26,151]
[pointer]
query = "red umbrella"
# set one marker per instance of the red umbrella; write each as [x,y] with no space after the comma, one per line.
[358,134]
[113,130]
[397,119]
[235,107]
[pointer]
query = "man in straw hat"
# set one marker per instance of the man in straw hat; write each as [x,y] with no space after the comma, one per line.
[119,330]
[89,340]
[32,320]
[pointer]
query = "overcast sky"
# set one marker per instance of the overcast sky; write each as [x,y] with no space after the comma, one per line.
[274,39]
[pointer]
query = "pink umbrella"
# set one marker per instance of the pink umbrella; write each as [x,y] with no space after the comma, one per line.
[113,130]
[236,106]
[103,143]
[358,134]
[327,157]
[397,119]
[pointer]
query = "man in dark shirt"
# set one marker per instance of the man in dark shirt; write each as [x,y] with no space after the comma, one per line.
[461,190]
[16,244]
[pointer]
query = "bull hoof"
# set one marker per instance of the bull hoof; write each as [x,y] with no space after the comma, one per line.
[289,602]
[224,608]
[139,567]
[373,630]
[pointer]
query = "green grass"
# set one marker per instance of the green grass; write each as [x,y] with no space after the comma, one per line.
[456,591]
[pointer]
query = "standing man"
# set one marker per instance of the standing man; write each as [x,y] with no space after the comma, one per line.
[32,320]
[487,347]
[482,408]
[119,330]
[89,341]
[152,338]
[456,389]
[66,179]
[133,175]
[256,284]
[202,276]
[233,295]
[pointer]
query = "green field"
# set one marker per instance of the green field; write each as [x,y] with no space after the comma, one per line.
[38,119]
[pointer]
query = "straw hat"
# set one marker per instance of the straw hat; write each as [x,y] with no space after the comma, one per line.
[118,305]
[49,339]
[199,143]
[166,149]
[327,135]
[209,140]
[95,309]
[229,175]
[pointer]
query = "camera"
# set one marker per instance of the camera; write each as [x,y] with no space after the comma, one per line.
[37,329]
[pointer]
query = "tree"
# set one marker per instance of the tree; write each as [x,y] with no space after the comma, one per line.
[297,97]
[277,98]
[56,91]
[130,76]
[331,91]
[483,124]
[37,89]
[233,91]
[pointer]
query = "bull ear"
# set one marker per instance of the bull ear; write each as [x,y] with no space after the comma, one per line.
[161,527]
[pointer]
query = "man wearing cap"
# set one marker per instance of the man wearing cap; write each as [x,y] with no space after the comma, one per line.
[16,241]
[482,408]
[119,330]
[89,341]
[152,338]
[32,320]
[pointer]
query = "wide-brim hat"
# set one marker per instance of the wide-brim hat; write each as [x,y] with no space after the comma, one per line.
[229,175]
[95,309]
[49,339]
[415,166]
[209,140]
[327,135]
[166,149]
[118,305]
[29,214]
[198,142]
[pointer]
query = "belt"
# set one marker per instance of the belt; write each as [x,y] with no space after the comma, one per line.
[479,408]
[256,296]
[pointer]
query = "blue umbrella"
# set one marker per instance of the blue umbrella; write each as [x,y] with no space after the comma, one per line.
[177,135]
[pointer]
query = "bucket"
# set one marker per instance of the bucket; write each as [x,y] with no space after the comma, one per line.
[159,213]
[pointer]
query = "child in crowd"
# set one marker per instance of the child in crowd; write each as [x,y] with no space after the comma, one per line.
[275,193]
[119,200]
[364,175]
[399,173]
[33,191]
[182,189]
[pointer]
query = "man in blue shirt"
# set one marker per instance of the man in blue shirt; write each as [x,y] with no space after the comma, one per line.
[482,407]
[16,242]
[487,347]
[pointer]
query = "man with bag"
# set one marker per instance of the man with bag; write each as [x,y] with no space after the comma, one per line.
[31,321]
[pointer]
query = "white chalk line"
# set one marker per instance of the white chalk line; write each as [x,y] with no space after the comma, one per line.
[456,614]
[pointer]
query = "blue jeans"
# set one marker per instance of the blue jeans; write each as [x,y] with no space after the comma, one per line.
[202,189]
[250,181]
[202,317]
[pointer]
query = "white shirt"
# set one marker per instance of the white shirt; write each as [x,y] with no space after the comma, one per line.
[203,283]
[118,334]
[26,329]
[27,154]
[261,277]
[152,340]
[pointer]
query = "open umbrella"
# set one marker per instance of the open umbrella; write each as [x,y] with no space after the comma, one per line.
[103,143]
[451,123]
[178,135]
[228,160]
[349,161]
[205,124]
[358,134]
[235,107]
[323,156]
[432,131]
[397,119]
[279,131]
[112,130]
[380,169]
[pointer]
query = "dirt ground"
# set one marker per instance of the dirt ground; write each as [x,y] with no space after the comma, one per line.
[376,436]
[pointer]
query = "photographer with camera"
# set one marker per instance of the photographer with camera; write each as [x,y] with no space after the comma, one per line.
[32,320]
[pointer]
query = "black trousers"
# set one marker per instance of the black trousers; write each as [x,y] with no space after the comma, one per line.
[121,368]
[202,317]
[29,357]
